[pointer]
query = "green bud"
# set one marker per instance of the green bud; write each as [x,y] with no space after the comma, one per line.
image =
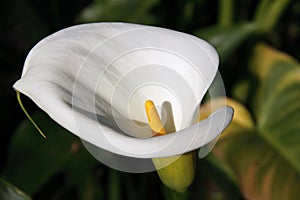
[176,172]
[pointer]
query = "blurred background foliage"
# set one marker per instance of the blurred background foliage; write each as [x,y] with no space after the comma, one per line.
[258,157]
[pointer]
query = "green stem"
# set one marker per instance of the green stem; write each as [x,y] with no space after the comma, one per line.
[174,195]
[114,188]
[269,12]
[225,12]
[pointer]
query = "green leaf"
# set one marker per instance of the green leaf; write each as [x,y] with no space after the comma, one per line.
[266,158]
[33,160]
[133,11]
[279,123]
[222,175]
[84,164]
[264,59]
[227,39]
[269,12]
[242,90]
[269,66]
[8,191]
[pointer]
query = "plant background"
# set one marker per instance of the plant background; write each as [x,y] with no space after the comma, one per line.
[60,168]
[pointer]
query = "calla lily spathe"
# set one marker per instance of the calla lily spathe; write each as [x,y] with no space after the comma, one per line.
[94,79]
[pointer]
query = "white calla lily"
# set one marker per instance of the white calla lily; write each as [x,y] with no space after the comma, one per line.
[94,79]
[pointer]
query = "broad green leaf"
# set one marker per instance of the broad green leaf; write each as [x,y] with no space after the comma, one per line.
[133,11]
[222,175]
[269,66]
[279,122]
[264,58]
[33,160]
[266,158]
[222,172]
[263,173]
[227,39]
[8,191]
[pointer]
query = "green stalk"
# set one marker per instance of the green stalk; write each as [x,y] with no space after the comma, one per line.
[114,187]
[174,195]
[225,12]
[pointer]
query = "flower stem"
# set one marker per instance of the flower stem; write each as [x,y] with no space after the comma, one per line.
[174,195]
[225,12]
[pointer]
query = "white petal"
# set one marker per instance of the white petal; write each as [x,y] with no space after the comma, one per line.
[176,143]
[101,71]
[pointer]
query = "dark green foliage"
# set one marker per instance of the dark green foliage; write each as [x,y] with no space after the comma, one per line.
[61,168]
